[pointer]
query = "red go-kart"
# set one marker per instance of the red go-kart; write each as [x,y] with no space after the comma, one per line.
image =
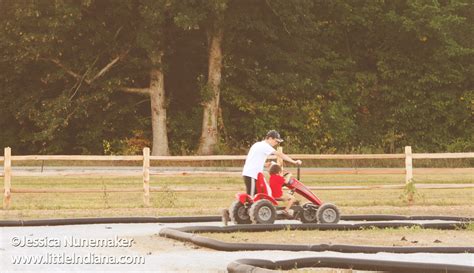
[264,209]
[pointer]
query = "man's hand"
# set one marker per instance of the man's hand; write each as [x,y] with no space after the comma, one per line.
[287,158]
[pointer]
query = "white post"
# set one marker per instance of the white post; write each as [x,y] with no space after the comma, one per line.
[146,176]
[7,177]
[408,165]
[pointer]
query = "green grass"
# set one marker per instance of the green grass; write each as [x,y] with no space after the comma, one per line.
[322,163]
[214,199]
[428,201]
[378,179]
[470,226]
[230,181]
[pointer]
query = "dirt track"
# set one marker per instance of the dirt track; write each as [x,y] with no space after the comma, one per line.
[160,254]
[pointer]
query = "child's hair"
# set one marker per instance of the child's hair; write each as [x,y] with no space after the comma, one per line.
[275,169]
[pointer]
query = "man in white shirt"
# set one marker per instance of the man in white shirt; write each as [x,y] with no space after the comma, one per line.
[257,156]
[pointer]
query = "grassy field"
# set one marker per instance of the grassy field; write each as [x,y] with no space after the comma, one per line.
[321,163]
[221,194]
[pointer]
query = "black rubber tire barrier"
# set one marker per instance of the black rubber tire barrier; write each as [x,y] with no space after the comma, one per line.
[109,220]
[266,266]
[186,235]
[388,217]
[195,219]
[359,226]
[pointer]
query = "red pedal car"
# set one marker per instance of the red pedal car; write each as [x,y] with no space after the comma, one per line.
[264,209]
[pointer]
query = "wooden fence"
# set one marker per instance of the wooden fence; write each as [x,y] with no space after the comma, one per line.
[146,158]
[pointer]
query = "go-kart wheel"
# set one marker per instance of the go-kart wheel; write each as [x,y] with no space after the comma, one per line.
[309,213]
[262,212]
[239,213]
[328,214]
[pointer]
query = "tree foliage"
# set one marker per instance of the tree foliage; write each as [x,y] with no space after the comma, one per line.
[331,76]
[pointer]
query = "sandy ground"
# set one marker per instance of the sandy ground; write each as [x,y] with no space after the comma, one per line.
[141,242]
[411,237]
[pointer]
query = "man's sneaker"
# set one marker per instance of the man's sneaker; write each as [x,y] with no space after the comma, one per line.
[225,217]
[288,214]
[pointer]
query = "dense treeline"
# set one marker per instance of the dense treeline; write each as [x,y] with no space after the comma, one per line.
[104,76]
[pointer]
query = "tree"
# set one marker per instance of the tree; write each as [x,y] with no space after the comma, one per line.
[211,108]
[151,38]
[59,57]
[66,50]
[210,17]
[331,76]
[341,77]
[156,93]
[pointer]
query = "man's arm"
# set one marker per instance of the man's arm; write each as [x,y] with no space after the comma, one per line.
[287,158]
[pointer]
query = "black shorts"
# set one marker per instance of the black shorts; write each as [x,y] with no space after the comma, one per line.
[250,185]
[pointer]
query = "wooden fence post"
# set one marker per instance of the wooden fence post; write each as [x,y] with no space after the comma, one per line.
[279,159]
[146,176]
[7,177]
[408,165]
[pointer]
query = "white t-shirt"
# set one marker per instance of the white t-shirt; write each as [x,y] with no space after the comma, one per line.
[256,158]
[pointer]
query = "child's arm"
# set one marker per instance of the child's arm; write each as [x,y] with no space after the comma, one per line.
[287,177]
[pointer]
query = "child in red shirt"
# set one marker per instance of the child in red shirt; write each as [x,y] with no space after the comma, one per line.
[277,181]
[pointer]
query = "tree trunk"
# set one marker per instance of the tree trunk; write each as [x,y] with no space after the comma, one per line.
[158,109]
[209,135]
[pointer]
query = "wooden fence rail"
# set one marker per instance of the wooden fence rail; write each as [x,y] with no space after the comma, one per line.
[77,157]
[7,160]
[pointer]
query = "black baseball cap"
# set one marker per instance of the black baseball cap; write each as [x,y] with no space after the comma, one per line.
[275,135]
